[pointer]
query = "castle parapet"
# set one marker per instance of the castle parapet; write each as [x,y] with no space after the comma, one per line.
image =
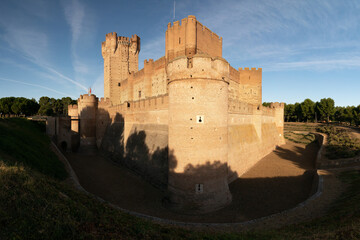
[189,38]
[198,67]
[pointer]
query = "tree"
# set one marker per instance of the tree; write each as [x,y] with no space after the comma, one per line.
[5,105]
[66,101]
[326,108]
[307,110]
[289,112]
[45,106]
[16,106]
[266,104]
[298,112]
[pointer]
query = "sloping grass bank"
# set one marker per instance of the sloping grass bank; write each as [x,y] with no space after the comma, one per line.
[36,204]
[340,143]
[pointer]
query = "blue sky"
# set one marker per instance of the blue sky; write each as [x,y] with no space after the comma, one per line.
[307,49]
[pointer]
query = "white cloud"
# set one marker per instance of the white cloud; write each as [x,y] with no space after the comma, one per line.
[285,31]
[35,85]
[74,15]
[320,64]
[30,42]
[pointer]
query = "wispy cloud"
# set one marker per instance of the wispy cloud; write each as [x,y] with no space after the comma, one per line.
[74,15]
[32,44]
[80,19]
[155,48]
[35,85]
[321,65]
[285,31]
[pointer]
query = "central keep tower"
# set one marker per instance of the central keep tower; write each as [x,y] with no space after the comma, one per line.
[198,79]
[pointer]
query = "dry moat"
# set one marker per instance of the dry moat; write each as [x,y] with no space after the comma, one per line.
[277,182]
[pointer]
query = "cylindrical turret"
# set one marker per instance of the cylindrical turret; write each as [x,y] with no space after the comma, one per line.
[87,105]
[190,41]
[198,134]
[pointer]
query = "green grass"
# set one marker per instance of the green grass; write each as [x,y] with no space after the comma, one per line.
[38,205]
[304,138]
[26,142]
[305,127]
[340,143]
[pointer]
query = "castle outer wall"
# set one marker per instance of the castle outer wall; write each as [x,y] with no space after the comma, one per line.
[187,122]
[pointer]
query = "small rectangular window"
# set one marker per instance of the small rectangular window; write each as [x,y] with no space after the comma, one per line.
[119,84]
[139,94]
[179,40]
[199,188]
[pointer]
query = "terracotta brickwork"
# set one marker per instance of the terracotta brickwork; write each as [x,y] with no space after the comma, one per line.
[187,122]
[121,56]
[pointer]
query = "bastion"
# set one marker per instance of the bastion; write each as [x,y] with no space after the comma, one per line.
[188,122]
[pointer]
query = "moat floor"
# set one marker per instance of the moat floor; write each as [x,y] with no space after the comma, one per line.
[278,182]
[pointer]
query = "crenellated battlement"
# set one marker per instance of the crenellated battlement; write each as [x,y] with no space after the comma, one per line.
[121,56]
[183,21]
[277,105]
[112,35]
[235,106]
[189,37]
[88,98]
[250,69]
[72,106]
[150,61]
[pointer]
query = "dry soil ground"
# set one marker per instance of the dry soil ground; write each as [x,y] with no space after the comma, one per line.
[279,181]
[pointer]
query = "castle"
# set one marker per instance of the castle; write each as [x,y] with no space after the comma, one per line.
[188,122]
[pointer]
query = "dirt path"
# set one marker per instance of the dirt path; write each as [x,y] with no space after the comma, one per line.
[279,181]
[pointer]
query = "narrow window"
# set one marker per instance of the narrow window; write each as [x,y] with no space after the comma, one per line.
[139,94]
[179,40]
[119,84]
[199,188]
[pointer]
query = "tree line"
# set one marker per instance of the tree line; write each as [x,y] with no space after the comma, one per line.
[324,110]
[23,106]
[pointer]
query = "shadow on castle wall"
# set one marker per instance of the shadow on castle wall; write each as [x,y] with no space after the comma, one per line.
[296,156]
[135,154]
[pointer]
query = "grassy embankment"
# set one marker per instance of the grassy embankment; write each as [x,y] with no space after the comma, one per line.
[340,143]
[299,132]
[37,204]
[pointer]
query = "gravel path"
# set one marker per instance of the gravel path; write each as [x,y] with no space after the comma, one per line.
[278,182]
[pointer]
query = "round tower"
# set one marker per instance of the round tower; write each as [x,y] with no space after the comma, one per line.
[198,134]
[87,106]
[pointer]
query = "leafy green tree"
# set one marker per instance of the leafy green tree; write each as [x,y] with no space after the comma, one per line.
[66,101]
[57,106]
[45,106]
[5,105]
[289,112]
[16,106]
[266,104]
[307,110]
[298,112]
[326,108]
[339,114]
[52,106]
